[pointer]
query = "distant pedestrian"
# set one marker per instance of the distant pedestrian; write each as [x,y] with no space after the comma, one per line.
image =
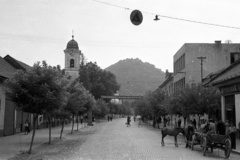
[81,119]
[168,121]
[26,127]
[194,123]
[111,117]
[139,122]
[164,121]
[128,121]
[108,117]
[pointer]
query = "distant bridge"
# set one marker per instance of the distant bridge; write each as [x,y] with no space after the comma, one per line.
[122,97]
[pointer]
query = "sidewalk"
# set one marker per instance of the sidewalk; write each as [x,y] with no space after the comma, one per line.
[12,145]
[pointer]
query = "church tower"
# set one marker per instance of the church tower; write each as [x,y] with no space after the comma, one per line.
[72,59]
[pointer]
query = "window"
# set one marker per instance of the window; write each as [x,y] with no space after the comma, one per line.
[71,63]
[234,57]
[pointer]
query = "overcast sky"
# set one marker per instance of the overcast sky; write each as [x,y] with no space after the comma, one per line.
[36,30]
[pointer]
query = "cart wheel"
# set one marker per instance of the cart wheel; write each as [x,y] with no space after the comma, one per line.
[228,147]
[204,145]
[192,143]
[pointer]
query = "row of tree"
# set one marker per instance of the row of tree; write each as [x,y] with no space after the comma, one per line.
[192,100]
[46,90]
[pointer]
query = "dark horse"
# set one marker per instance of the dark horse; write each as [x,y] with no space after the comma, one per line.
[172,132]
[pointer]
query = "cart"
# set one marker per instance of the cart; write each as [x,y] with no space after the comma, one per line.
[214,141]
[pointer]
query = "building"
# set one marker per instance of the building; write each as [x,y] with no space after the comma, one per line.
[194,61]
[11,119]
[228,82]
[167,85]
[72,59]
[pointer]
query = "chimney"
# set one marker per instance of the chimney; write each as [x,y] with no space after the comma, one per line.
[218,43]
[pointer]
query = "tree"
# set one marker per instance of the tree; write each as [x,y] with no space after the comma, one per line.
[77,100]
[36,91]
[101,109]
[99,82]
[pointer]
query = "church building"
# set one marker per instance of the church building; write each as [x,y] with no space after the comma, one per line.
[72,59]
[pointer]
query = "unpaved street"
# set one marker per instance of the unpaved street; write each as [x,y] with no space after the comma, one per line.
[114,141]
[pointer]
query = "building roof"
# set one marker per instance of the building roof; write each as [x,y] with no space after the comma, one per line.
[168,79]
[221,72]
[16,64]
[6,70]
[72,44]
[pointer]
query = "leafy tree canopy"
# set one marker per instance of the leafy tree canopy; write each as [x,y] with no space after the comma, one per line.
[99,82]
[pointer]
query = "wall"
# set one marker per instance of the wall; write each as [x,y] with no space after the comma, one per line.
[2,110]
[217,57]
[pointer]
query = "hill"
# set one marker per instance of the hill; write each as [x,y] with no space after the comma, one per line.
[136,77]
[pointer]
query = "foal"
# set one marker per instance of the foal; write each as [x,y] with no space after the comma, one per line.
[172,132]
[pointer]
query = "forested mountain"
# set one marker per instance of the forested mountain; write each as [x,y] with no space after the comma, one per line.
[136,77]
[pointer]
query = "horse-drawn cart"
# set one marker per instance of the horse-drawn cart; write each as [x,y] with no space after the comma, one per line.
[217,141]
[212,141]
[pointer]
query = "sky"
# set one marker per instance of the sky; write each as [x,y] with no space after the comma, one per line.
[32,31]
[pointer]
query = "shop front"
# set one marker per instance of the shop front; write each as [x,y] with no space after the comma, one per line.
[231,108]
[228,83]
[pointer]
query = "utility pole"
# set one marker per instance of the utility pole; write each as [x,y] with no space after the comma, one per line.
[201,59]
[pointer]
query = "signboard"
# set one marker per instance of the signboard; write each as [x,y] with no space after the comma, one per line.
[230,89]
[136,17]
[121,97]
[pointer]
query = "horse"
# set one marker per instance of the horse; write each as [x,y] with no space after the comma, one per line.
[172,132]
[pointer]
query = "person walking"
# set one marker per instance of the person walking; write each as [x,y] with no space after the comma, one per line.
[194,123]
[128,121]
[139,122]
[232,133]
[26,127]
[81,119]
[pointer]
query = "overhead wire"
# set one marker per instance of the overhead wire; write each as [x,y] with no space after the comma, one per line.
[170,17]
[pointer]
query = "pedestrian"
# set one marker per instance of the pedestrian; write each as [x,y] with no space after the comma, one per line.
[128,121]
[81,119]
[168,120]
[134,118]
[212,127]
[111,116]
[221,127]
[194,124]
[175,123]
[108,117]
[165,121]
[26,127]
[139,122]
[232,133]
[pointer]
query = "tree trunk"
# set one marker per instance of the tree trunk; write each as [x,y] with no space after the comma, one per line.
[62,128]
[77,122]
[35,116]
[72,123]
[49,127]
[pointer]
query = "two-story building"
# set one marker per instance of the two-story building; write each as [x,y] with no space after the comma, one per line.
[194,61]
